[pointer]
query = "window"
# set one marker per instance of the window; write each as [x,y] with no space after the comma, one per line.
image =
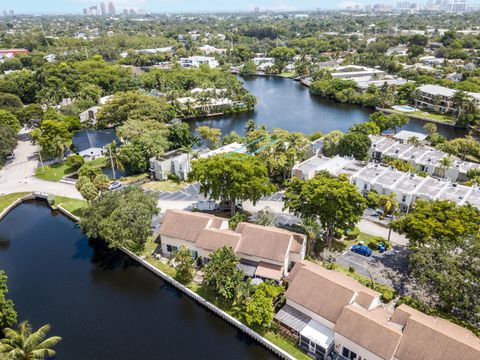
[171,248]
[349,354]
[404,198]
[194,254]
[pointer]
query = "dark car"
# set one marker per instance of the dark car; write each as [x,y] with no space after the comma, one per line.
[362,250]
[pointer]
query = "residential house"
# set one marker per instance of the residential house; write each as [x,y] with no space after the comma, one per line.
[265,252]
[208,50]
[90,144]
[334,316]
[405,135]
[309,168]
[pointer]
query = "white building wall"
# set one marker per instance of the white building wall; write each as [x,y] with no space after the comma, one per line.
[166,240]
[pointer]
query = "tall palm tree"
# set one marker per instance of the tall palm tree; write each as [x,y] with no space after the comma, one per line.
[312,230]
[114,154]
[445,163]
[25,344]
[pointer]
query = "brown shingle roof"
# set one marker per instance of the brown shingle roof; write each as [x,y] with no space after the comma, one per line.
[269,271]
[366,297]
[325,292]
[264,241]
[297,243]
[426,337]
[369,329]
[184,225]
[213,239]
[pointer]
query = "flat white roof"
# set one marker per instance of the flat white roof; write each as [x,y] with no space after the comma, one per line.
[405,135]
[318,333]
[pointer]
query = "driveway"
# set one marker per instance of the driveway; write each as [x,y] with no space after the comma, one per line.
[18,175]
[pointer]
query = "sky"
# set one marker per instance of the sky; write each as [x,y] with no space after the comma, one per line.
[161,6]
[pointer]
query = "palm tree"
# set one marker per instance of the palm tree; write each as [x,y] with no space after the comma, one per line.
[464,103]
[312,230]
[24,344]
[114,155]
[445,163]
[250,126]
[413,141]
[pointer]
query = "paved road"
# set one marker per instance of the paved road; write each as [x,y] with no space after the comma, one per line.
[18,175]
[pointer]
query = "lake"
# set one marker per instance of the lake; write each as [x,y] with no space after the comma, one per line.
[104,304]
[287,104]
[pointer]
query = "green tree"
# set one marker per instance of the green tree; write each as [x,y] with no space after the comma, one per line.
[8,119]
[26,344]
[355,145]
[231,179]
[88,190]
[89,171]
[249,68]
[8,141]
[53,136]
[232,137]
[444,247]
[250,126]
[75,162]
[101,182]
[122,218]
[134,158]
[8,315]
[330,142]
[260,308]
[221,273]
[461,147]
[430,128]
[210,136]
[380,119]
[396,121]
[334,202]
[180,136]
[265,217]
[183,262]
[367,128]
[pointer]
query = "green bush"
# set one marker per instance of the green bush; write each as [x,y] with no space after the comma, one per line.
[353,234]
[173,178]
[235,219]
[388,294]
[351,269]
[377,240]
[75,162]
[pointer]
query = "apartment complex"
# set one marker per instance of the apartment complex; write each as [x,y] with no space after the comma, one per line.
[423,159]
[439,98]
[265,252]
[331,313]
[196,61]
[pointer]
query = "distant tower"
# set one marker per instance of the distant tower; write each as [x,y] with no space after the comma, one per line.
[4,13]
[256,9]
[132,12]
[103,9]
[85,11]
[111,8]
[125,11]
[12,13]
[92,10]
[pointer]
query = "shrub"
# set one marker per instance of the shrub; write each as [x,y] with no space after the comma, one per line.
[173,178]
[351,269]
[388,294]
[353,234]
[75,162]
[235,219]
[377,240]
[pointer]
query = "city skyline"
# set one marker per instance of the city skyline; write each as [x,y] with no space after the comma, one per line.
[162,6]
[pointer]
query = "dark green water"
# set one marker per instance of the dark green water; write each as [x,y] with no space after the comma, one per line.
[103,304]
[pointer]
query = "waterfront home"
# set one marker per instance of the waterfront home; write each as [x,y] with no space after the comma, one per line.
[89,115]
[439,98]
[355,71]
[424,159]
[174,162]
[332,314]
[265,252]
[232,149]
[196,61]
[90,144]
[405,135]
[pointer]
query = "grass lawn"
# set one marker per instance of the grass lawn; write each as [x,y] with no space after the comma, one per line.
[8,199]
[75,206]
[53,172]
[287,74]
[131,179]
[287,344]
[427,115]
[56,172]
[167,185]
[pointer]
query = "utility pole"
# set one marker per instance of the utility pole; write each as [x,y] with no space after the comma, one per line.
[111,161]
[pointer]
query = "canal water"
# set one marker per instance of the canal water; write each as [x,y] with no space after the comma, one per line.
[287,104]
[103,304]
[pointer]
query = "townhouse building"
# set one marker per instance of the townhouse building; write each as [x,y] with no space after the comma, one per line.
[333,316]
[424,159]
[196,61]
[439,98]
[265,252]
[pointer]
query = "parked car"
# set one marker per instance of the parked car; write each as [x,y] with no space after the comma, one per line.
[225,206]
[381,247]
[361,249]
[10,156]
[115,186]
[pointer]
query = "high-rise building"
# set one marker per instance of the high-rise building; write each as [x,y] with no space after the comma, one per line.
[12,13]
[111,8]
[125,11]
[4,13]
[103,9]
[132,12]
[85,11]
[256,9]
[92,10]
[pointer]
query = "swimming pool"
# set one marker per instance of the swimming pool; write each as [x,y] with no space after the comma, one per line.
[404,108]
